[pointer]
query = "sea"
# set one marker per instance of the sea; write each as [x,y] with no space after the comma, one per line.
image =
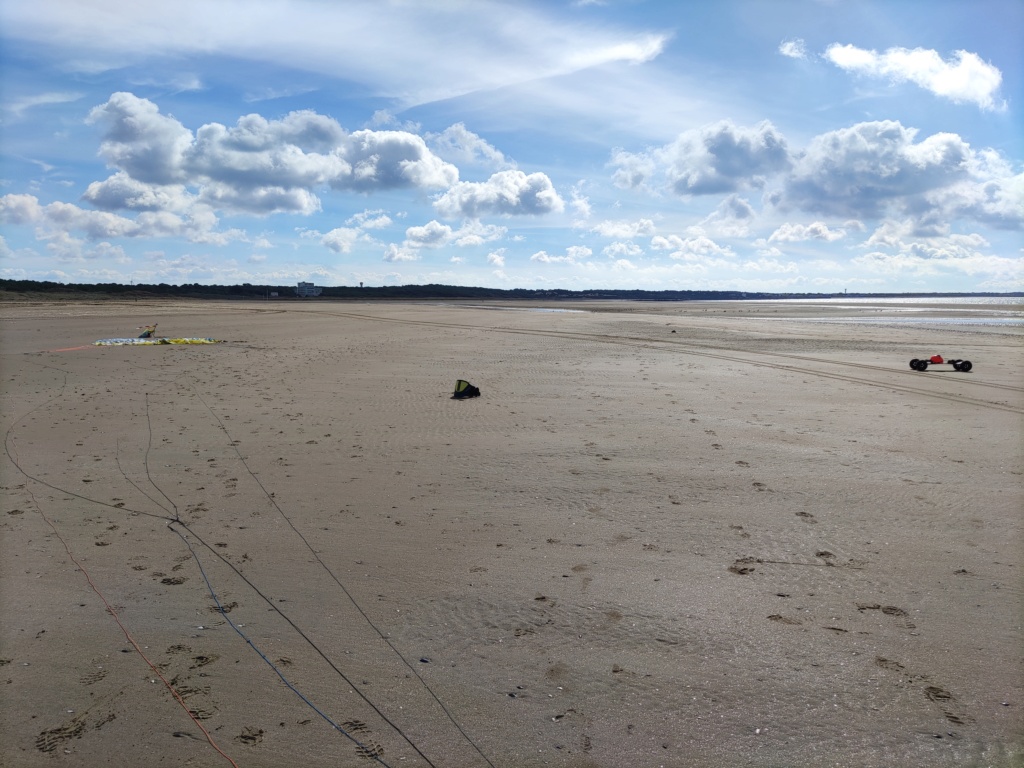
[962,311]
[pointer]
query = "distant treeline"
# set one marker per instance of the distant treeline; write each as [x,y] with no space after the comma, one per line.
[287,292]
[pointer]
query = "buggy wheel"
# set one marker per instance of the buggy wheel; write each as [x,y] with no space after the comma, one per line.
[913,364]
[965,365]
[922,365]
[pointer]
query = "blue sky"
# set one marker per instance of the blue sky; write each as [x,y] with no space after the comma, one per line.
[756,145]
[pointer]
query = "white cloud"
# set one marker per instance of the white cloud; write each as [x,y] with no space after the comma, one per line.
[459,145]
[691,248]
[258,166]
[624,230]
[148,146]
[732,217]
[770,265]
[506,193]
[474,232]
[20,209]
[964,78]
[871,168]
[579,203]
[121,191]
[433,234]
[370,220]
[715,159]
[496,258]
[621,250]
[341,240]
[898,250]
[790,233]
[574,254]
[17,108]
[794,49]
[198,225]
[433,51]
[395,252]
[262,199]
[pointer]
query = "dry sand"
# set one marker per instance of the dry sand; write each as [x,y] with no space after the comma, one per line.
[665,535]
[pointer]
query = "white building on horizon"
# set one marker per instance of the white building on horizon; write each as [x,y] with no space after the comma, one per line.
[307,289]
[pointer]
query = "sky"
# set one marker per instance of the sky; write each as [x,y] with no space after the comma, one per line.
[753,145]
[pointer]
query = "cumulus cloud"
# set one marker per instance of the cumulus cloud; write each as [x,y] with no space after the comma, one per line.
[434,234]
[769,265]
[963,78]
[794,49]
[574,254]
[623,230]
[695,248]
[580,204]
[733,217]
[394,252]
[461,146]
[370,220]
[620,250]
[431,235]
[716,159]
[790,233]
[256,166]
[895,248]
[122,192]
[197,225]
[20,209]
[507,193]
[392,159]
[341,240]
[148,146]
[474,232]
[496,258]
[995,200]
[871,167]
[262,199]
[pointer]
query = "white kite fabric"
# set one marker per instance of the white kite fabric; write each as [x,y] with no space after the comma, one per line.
[151,342]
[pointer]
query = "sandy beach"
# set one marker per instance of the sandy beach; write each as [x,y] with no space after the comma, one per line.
[699,534]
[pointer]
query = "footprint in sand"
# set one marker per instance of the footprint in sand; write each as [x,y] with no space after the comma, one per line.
[250,735]
[743,566]
[739,529]
[889,610]
[947,704]
[93,677]
[943,699]
[49,740]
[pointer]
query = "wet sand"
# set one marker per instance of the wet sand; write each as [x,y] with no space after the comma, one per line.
[665,535]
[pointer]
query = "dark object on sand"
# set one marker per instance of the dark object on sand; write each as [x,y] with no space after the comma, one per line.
[958,365]
[464,389]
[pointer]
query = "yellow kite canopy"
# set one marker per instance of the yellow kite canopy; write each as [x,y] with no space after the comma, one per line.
[464,389]
[151,342]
